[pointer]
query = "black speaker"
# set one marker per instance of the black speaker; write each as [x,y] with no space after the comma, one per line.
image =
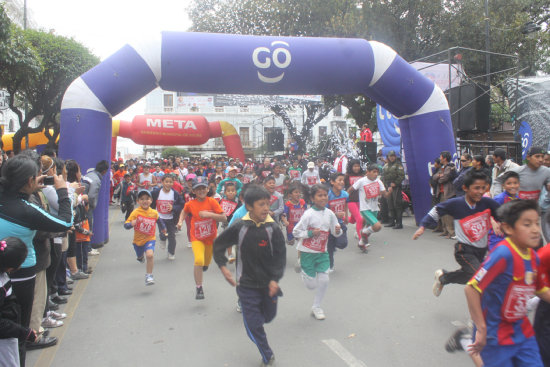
[470,107]
[368,150]
[275,141]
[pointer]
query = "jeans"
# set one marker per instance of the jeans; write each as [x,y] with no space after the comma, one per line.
[82,249]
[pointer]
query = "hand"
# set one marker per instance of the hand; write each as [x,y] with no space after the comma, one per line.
[59,182]
[165,232]
[133,223]
[84,197]
[205,214]
[228,276]
[273,288]
[285,222]
[32,336]
[91,233]
[340,215]
[271,214]
[390,189]
[80,190]
[337,229]
[40,181]
[180,224]
[419,232]
[316,232]
[170,207]
[481,340]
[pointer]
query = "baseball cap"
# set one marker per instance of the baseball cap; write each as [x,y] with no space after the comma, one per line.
[391,152]
[232,168]
[190,176]
[311,165]
[535,150]
[199,181]
[144,191]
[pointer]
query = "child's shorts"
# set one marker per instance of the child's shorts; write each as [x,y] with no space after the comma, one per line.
[313,263]
[526,354]
[140,250]
[370,217]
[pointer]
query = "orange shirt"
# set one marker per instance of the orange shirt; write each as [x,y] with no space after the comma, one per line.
[146,224]
[203,229]
[81,237]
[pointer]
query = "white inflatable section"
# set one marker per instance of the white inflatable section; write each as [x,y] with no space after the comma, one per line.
[383,58]
[150,50]
[79,95]
[436,102]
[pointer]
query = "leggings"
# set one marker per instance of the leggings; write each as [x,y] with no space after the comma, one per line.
[202,252]
[356,215]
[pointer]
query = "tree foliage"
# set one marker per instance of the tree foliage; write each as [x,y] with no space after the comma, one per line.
[174,151]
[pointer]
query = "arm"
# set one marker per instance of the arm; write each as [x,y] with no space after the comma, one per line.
[220,186]
[445,175]
[44,221]
[476,313]
[276,267]
[280,208]
[300,229]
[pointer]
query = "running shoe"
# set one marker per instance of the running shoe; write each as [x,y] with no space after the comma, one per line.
[271,362]
[318,313]
[149,280]
[93,252]
[56,315]
[171,257]
[362,245]
[438,286]
[453,344]
[297,266]
[200,293]
[79,275]
[48,322]
[162,244]
[141,259]
[239,307]
[205,268]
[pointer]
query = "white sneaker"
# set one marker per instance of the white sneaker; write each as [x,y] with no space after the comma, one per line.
[239,308]
[149,280]
[162,244]
[56,315]
[189,245]
[297,266]
[48,322]
[318,313]
[438,286]
[331,270]
[93,252]
[171,257]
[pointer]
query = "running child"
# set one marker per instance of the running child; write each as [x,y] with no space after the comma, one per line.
[169,204]
[312,233]
[338,203]
[497,295]
[295,171]
[205,212]
[127,195]
[230,178]
[542,315]
[261,260]
[471,214]
[311,176]
[354,173]
[277,201]
[293,210]
[370,189]
[229,204]
[144,220]
[510,185]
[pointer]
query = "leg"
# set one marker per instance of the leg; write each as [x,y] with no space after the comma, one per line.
[331,247]
[354,210]
[470,259]
[542,331]
[149,256]
[199,250]
[528,354]
[24,291]
[55,258]
[39,300]
[61,273]
[171,231]
[397,199]
[79,248]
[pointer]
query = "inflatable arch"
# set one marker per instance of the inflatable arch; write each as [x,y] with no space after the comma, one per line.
[221,63]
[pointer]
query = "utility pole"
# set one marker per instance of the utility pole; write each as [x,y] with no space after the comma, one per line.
[487,46]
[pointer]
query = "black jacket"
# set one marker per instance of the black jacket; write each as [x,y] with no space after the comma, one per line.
[259,260]
[177,207]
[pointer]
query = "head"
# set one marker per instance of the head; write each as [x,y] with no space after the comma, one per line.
[230,190]
[354,168]
[294,191]
[73,171]
[257,202]
[232,172]
[520,221]
[127,177]
[337,181]
[19,175]
[478,162]
[445,157]
[546,160]
[102,167]
[167,182]
[489,161]
[12,254]
[372,171]
[319,195]
[466,160]
[144,199]
[269,184]
[475,185]
[499,156]
[535,157]
[200,188]
[392,156]
[510,182]
[311,166]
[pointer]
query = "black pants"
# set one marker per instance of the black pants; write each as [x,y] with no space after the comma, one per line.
[542,331]
[55,260]
[170,234]
[24,291]
[384,215]
[469,258]
[127,207]
[337,242]
[395,204]
[61,273]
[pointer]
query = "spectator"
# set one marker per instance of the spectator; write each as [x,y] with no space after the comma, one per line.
[465,166]
[501,165]
[445,190]
[92,183]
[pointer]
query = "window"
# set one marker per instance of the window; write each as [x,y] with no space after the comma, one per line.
[337,111]
[244,133]
[168,100]
[322,131]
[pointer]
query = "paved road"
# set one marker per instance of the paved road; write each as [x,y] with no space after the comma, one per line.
[379,306]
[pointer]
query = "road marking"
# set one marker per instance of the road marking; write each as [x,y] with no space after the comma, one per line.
[343,353]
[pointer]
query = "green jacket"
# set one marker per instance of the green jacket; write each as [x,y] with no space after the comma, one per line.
[393,173]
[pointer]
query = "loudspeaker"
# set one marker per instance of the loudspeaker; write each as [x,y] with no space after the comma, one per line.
[275,141]
[470,107]
[368,150]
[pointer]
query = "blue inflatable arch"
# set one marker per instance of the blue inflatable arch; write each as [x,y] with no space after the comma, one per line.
[234,64]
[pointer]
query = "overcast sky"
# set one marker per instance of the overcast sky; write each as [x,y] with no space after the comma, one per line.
[104,26]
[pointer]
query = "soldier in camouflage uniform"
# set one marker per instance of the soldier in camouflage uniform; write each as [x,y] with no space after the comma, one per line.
[393,175]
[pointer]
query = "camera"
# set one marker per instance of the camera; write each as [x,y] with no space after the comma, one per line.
[48,181]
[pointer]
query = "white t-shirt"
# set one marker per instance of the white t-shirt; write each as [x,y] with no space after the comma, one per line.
[369,191]
[146,180]
[163,202]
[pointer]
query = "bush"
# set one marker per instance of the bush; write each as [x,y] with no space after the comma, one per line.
[175,151]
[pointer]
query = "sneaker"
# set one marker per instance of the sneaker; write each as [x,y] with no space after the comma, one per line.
[271,362]
[453,344]
[171,257]
[141,259]
[79,275]
[318,313]
[149,280]
[56,315]
[189,245]
[297,266]
[239,308]
[331,270]
[362,245]
[205,268]
[200,293]
[453,238]
[48,322]
[162,244]
[438,286]
[93,252]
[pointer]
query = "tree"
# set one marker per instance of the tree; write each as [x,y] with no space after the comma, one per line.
[175,151]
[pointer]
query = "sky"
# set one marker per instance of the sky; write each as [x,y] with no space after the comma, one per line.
[105,26]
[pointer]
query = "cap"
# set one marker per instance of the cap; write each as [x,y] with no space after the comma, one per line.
[311,165]
[144,191]
[199,182]
[535,150]
[190,176]
[391,152]
[232,168]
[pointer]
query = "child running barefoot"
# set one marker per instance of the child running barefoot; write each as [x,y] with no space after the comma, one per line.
[497,295]
[205,212]
[144,220]
[261,259]
[370,189]
[312,233]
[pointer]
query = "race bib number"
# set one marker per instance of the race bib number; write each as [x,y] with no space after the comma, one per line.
[146,184]
[280,189]
[354,179]
[145,225]
[164,206]
[246,179]
[311,180]
[228,206]
[515,306]
[273,199]
[294,173]
[204,228]
[295,214]
[318,243]
[529,195]
[372,190]
[476,226]
[337,205]
[266,173]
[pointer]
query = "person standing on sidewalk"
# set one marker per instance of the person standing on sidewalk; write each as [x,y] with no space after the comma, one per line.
[446,190]
[393,175]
